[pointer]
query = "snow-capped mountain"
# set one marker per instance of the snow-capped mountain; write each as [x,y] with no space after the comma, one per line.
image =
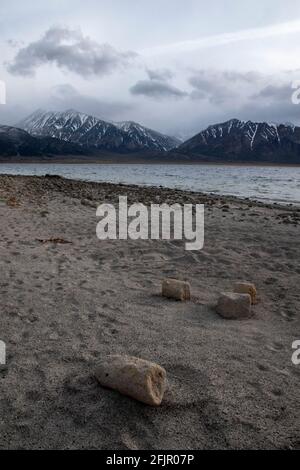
[237,140]
[71,133]
[147,138]
[91,132]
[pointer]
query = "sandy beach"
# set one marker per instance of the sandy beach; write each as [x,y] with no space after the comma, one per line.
[231,384]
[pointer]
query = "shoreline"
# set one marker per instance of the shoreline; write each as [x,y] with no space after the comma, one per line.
[229,197]
[147,162]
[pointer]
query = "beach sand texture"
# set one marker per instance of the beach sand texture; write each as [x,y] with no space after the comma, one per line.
[63,306]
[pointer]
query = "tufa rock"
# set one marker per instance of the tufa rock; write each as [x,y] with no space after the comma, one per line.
[234,305]
[245,287]
[174,289]
[137,378]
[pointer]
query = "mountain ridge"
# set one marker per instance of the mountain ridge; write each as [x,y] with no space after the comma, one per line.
[15,142]
[70,133]
[239,140]
[90,131]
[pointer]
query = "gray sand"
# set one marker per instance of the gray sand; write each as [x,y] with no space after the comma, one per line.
[231,383]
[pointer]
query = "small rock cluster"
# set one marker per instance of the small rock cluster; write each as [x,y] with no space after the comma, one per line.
[146,381]
[292,217]
[235,304]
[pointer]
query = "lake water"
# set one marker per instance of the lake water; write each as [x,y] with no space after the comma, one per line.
[280,184]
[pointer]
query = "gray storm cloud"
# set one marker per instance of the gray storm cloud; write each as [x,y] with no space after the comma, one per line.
[65,96]
[215,92]
[219,87]
[160,74]
[191,70]
[158,86]
[156,89]
[275,93]
[69,50]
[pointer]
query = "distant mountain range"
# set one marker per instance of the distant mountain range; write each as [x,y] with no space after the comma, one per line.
[244,141]
[91,132]
[70,133]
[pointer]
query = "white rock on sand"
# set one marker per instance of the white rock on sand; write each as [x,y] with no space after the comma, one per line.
[174,289]
[234,305]
[140,379]
[245,287]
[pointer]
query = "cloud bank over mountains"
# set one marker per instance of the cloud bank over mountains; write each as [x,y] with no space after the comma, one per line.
[174,68]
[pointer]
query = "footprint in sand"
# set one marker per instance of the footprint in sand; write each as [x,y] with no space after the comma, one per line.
[277,392]
[262,367]
[278,346]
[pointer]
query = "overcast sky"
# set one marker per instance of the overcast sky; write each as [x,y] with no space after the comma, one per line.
[172,65]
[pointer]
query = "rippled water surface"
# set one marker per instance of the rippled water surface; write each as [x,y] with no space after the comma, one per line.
[281,184]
